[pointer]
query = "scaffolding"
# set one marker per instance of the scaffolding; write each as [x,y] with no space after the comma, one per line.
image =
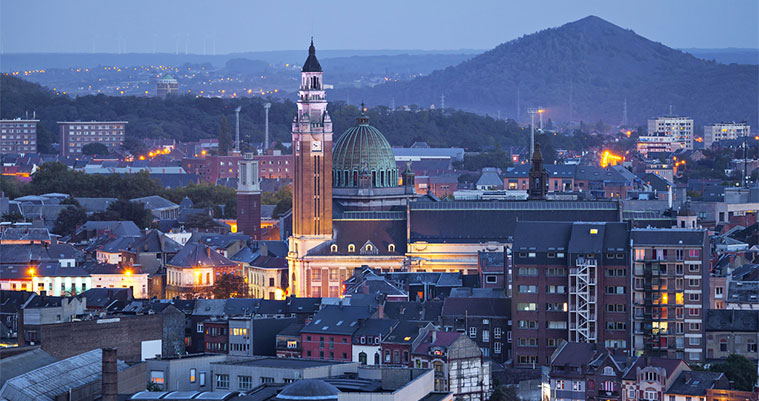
[582,300]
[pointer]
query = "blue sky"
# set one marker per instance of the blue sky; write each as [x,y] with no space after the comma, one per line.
[237,25]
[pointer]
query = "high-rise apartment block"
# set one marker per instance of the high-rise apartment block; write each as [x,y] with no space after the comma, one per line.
[725,131]
[570,282]
[670,286]
[74,135]
[18,136]
[667,134]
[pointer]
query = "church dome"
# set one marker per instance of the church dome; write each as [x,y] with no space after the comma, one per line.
[309,389]
[362,150]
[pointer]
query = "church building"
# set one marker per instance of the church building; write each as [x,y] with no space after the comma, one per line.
[352,206]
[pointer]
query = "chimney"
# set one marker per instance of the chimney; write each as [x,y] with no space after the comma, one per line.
[434,336]
[110,381]
[208,251]
[381,310]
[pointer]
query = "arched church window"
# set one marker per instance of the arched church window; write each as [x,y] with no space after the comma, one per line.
[391,248]
[355,178]
[374,178]
[333,248]
[382,178]
[351,248]
[345,181]
[369,247]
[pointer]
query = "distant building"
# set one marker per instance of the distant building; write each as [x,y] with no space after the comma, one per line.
[18,136]
[725,131]
[731,332]
[167,85]
[676,130]
[210,169]
[74,135]
[276,166]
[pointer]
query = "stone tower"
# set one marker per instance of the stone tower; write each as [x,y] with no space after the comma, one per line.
[248,198]
[312,175]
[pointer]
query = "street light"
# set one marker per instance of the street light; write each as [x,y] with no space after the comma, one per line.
[532,112]
[540,113]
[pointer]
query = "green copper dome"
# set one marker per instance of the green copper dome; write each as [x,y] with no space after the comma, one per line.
[362,151]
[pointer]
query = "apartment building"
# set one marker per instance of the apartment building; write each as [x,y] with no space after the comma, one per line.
[75,135]
[570,282]
[670,292]
[725,131]
[18,136]
[678,129]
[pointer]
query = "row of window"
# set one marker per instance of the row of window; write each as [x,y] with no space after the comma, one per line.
[368,248]
[331,355]
[666,254]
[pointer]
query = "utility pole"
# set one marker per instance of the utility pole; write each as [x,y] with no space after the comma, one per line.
[624,114]
[442,101]
[392,104]
[571,87]
[267,106]
[532,112]
[237,129]
[540,114]
[519,110]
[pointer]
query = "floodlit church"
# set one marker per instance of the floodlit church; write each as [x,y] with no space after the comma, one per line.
[353,207]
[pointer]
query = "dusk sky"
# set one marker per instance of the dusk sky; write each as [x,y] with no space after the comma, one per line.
[238,26]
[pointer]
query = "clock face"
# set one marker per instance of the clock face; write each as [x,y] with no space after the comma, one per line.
[316,146]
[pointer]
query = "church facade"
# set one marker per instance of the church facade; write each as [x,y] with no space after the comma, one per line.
[352,206]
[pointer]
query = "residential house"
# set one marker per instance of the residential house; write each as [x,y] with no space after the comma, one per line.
[486,321]
[329,335]
[161,208]
[367,340]
[731,332]
[195,269]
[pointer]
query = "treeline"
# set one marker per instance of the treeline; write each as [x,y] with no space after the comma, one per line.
[57,178]
[189,118]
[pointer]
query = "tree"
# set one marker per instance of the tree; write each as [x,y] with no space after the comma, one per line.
[95,148]
[738,369]
[201,221]
[124,210]
[68,220]
[504,393]
[225,138]
[12,217]
[229,286]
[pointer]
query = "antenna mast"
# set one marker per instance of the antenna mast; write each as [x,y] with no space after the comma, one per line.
[237,129]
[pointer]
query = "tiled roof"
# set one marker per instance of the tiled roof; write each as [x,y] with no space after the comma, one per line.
[653,237]
[696,383]
[336,319]
[196,254]
[442,339]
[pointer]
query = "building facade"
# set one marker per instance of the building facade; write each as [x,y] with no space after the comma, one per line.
[75,135]
[670,292]
[725,131]
[679,129]
[18,136]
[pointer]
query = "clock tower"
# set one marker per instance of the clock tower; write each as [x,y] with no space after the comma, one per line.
[312,163]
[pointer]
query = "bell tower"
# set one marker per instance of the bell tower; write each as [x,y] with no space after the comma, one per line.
[312,178]
[538,176]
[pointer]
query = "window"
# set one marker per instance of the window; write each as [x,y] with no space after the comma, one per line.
[608,371]
[222,381]
[156,376]
[246,383]
[556,289]
[694,312]
[695,297]
[694,253]
[694,282]
[530,306]
[718,291]
[491,279]
[528,271]
[472,332]
[528,324]
[528,342]
[192,375]
[333,248]
[497,347]
[615,307]
[202,379]
[396,356]
[616,326]
[556,324]
[693,268]
[694,326]
[351,248]
[556,272]
[391,248]
[694,341]
[611,290]
[528,289]
[485,336]
[640,254]
[497,333]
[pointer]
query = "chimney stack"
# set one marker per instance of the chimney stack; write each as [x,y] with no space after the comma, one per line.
[110,380]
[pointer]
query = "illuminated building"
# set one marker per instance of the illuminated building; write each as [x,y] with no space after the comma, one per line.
[725,131]
[669,133]
[18,136]
[75,135]
[194,270]
[670,292]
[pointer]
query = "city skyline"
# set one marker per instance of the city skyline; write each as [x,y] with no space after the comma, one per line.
[193,27]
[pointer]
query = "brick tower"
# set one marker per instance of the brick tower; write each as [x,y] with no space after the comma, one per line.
[248,198]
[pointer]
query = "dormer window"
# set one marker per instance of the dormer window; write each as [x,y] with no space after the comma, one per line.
[608,371]
[351,248]
[391,248]
[369,247]
[333,248]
